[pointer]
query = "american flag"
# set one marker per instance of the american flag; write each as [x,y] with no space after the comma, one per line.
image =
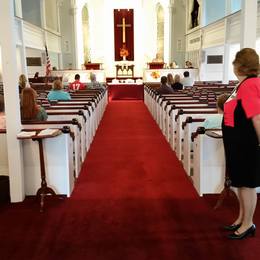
[48,62]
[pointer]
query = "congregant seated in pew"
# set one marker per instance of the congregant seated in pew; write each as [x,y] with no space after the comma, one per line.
[36,75]
[170,79]
[164,88]
[177,84]
[23,82]
[77,85]
[94,84]
[2,112]
[187,81]
[57,92]
[215,121]
[29,108]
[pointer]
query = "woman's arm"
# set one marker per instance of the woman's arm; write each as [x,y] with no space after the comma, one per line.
[256,123]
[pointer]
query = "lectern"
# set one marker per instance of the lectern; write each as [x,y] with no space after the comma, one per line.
[155,65]
[92,66]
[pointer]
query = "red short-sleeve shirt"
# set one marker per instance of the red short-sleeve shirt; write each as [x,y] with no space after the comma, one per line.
[77,85]
[249,94]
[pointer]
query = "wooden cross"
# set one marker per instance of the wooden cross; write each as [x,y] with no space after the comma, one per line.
[123,25]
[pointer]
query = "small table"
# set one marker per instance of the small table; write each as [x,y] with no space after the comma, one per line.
[44,189]
[125,91]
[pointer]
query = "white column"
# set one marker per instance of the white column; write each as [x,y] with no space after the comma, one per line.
[226,54]
[18,8]
[23,52]
[248,23]
[166,35]
[171,33]
[12,101]
[43,22]
[18,13]
[60,60]
[77,25]
[226,63]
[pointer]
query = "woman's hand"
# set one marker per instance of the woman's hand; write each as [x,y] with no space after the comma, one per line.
[256,123]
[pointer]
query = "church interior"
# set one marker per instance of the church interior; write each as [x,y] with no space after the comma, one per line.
[102,159]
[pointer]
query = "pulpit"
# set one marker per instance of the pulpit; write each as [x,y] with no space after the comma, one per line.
[92,66]
[125,71]
[155,65]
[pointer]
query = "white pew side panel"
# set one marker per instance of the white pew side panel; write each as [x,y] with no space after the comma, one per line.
[58,156]
[3,155]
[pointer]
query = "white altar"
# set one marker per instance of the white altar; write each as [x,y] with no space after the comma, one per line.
[154,75]
[68,75]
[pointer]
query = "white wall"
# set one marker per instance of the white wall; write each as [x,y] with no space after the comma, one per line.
[101,22]
[214,37]
[32,69]
[67,36]
[211,71]
[233,49]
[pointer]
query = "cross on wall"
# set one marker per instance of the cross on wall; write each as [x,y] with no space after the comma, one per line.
[124,26]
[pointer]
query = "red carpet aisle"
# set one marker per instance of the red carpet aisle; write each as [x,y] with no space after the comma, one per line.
[132,202]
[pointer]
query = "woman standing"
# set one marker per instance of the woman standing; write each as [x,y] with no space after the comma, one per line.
[29,108]
[241,135]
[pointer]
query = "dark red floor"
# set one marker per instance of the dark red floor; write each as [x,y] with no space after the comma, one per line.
[132,201]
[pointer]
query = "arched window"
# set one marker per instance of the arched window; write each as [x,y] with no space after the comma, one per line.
[160,31]
[85,28]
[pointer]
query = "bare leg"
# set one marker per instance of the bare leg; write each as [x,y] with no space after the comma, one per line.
[239,219]
[249,199]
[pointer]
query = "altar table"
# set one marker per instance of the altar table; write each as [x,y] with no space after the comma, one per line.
[154,75]
[125,91]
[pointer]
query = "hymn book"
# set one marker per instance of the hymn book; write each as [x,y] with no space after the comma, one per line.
[24,135]
[49,132]
[42,134]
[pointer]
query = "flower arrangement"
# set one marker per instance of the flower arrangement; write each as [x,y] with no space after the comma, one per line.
[155,74]
[124,51]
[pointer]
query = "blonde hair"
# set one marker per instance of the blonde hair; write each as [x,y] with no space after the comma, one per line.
[177,78]
[92,77]
[247,62]
[29,108]
[22,81]
[57,85]
[170,78]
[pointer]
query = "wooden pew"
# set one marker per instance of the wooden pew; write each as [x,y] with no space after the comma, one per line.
[75,128]
[180,118]
[58,156]
[54,115]
[209,162]
[189,126]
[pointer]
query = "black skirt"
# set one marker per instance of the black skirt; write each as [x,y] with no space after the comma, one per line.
[242,151]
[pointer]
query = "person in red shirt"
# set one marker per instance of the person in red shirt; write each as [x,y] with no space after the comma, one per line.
[241,136]
[77,85]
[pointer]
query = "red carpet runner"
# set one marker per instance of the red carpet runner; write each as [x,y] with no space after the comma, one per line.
[132,201]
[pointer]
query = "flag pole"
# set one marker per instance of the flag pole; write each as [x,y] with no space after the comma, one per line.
[48,67]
